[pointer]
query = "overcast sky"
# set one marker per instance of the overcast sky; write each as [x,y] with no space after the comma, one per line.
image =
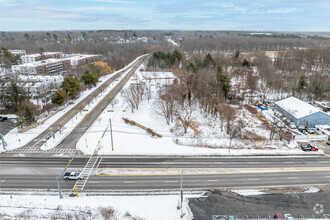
[259,15]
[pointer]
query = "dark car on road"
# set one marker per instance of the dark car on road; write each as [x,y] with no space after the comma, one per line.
[3,118]
[309,147]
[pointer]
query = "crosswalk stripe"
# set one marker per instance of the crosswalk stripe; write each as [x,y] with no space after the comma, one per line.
[41,151]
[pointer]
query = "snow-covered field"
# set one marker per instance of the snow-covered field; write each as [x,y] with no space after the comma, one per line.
[148,207]
[132,140]
[15,139]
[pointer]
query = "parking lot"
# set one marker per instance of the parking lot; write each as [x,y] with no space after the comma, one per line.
[221,204]
[7,125]
[322,145]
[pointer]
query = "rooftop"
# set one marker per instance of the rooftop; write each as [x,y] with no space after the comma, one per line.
[38,54]
[297,107]
[41,62]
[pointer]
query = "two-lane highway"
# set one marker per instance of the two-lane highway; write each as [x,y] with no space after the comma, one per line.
[72,139]
[39,173]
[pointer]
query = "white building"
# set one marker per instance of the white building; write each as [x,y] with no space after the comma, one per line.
[18,52]
[40,85]
[37,56]
[80,59]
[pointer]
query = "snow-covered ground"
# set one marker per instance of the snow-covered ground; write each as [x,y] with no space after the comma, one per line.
[15,139]
[132,140]
[248,192]
[160,207]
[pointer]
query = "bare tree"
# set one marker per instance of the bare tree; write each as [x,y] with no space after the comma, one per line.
[185,116]
[165,106]
[134,95]
[235,129]
[113,102]
[129,98]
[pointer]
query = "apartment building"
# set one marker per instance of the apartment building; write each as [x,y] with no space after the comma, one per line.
[49,66]
[37,57]
[81,59]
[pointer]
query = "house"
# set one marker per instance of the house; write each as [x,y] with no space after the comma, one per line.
[302,113]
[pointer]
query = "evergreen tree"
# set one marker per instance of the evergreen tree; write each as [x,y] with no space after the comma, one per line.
[15,95]
[302,83]
[246,63]
[90,78]
[25,116]
[208,60]
[224,82]
[59,97]
[237,54]
[71,86]
[177,54]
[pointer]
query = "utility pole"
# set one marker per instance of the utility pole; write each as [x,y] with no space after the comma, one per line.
[111,134]
[58,178]
[181,194]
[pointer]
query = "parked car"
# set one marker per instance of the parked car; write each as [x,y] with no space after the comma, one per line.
[73,176]
[288,216]
[309,147]
[311,131]
[292,125]
[3,118]
[328,142]
[278,215]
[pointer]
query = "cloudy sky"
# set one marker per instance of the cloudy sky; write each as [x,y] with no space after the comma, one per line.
[259,15]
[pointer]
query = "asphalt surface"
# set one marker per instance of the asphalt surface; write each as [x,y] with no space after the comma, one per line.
[78,131]
[221,204]
[7,125]
[40,173]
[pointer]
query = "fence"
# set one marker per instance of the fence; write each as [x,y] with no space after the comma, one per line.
[307,138]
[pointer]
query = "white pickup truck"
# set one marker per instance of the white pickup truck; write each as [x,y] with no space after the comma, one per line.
[73,176]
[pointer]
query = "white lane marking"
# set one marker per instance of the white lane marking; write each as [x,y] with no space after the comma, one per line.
[129,182]
[254,179]
[327,176]
[2,180]
[171,181]
[323,162]
[288,162]
[213,180]
[292,178]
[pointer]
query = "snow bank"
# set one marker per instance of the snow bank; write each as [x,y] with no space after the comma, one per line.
[248,192]
[151,207]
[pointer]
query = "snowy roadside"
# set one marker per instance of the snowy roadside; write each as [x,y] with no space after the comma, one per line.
[15,139]
[148,207]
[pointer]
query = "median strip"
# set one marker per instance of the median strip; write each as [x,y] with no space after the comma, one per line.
[199,171]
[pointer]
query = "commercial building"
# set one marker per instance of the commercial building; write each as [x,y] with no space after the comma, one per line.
[37,57]
[302,113]
[49,66]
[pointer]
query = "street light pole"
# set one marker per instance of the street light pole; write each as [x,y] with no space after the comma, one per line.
[58,178]
[111,134]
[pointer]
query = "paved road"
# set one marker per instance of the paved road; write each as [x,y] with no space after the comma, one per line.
[72,139]
[40,173]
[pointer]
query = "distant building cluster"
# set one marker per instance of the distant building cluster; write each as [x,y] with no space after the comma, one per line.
[41,74]
[50,62]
